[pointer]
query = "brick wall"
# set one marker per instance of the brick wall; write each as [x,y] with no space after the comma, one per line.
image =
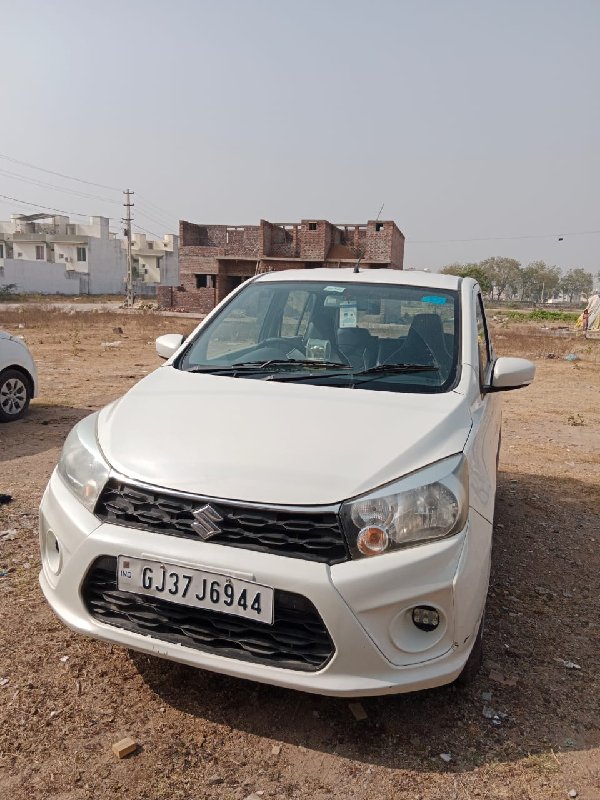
[378,241]
[313,244]
[397,249]
[230,252]
[280,240]
[186,298]
[245,242]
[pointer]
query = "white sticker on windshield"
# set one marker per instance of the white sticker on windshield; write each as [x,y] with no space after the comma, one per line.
[334,288]
[348,315]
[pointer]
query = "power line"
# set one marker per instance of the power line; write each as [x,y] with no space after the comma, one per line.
[157,208]
[73,213]
[15,205]
[58,174]
[49,208]
[152,215]
[156,221]
[43,184]
[158,217]
[152,233]
[502,238]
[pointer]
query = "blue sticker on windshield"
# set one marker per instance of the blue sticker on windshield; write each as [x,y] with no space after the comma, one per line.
[432,298]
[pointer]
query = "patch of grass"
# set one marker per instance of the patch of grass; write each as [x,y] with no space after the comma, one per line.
[543,315]
[542,762]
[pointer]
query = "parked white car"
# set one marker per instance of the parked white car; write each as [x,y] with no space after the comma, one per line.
[18,377]
[303,494]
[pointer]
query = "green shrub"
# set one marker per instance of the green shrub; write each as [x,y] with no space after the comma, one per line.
[542,315]
[553,316]
[6,290]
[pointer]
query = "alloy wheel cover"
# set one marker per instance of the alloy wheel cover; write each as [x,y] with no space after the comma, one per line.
[13,396]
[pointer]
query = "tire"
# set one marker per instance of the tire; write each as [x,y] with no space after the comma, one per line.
[15,394]
[475,660]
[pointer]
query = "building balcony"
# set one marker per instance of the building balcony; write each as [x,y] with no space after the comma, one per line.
[29,237]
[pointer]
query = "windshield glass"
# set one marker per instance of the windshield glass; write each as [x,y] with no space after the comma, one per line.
[355,335]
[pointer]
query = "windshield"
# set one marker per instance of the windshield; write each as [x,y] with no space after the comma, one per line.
[353,335]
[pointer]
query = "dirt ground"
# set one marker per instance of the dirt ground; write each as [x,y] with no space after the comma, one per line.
[64,699]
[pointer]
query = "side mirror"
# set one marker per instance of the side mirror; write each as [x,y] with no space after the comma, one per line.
[168,344]
[510,373]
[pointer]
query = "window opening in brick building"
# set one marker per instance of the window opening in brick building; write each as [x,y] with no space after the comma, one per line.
[236,280]
[39,252]
[312,226]
[1,251]
[379,226]
[205,281]
[81,254]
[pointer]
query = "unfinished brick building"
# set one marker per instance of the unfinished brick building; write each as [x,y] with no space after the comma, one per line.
[214,259]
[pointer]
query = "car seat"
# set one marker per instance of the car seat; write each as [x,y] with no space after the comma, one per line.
[424,344]
[358,347]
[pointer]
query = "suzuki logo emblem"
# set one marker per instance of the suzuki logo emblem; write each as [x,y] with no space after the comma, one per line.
[205,526]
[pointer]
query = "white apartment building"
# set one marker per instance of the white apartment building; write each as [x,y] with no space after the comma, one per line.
[155,262]
[49,254]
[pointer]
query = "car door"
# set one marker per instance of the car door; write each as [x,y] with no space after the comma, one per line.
[484,440]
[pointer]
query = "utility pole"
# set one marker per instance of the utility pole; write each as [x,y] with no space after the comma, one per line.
[128,205]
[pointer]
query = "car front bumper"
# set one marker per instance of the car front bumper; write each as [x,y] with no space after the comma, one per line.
[365,604]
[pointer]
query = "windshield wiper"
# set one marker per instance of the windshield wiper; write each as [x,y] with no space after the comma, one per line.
[398,368]
[362,376]
[258,366]
[305,362]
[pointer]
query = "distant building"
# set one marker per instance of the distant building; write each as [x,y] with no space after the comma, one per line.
[49,254]
[214,259]
[155,262]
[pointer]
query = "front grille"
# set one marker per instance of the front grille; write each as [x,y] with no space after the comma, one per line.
[298,638]
[314,536]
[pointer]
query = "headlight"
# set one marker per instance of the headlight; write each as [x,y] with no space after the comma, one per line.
[429,504]
[82,465]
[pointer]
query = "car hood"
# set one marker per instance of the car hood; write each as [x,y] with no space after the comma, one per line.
[272,442]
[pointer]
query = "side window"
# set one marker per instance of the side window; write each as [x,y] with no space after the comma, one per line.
[236,331]
[483,342]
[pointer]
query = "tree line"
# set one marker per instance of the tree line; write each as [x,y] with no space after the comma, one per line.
[505,279]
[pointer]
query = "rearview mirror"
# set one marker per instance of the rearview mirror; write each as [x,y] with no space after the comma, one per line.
[510,373]
[168,344]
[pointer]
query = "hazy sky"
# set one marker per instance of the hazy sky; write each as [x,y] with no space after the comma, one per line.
[468,119]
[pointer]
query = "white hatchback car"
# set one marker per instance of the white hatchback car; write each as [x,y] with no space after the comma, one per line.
[302,495]
[18,377]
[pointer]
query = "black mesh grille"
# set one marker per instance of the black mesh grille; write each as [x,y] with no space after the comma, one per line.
[298,638]
[315,536]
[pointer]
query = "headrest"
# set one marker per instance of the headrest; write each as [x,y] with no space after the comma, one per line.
[353,336]
[427,325]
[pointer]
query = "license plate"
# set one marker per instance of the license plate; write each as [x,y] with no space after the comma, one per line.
[196,588]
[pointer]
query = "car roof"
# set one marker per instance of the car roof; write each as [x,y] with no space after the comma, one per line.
[382,276]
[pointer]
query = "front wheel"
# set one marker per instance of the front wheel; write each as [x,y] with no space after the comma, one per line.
[15,394]
[475,660]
